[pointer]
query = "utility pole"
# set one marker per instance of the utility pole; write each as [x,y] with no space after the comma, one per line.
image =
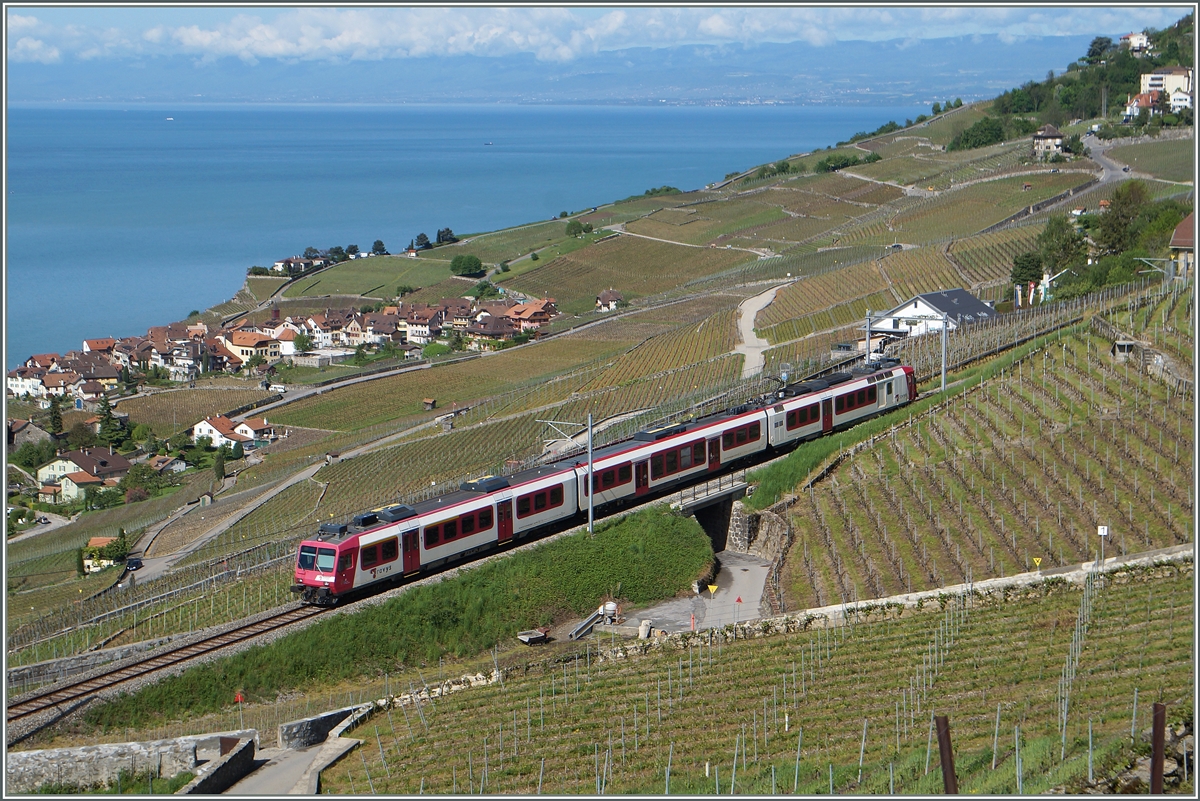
[590,489]
[945,323]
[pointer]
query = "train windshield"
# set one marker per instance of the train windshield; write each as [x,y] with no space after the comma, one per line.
[308,557]
[312,558]
[325,558]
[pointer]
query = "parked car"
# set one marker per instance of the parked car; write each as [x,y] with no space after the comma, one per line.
[43,519]
[133,563]
[1124,169]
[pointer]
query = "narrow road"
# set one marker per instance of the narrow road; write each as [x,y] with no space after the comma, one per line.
[752,345]
[623,232]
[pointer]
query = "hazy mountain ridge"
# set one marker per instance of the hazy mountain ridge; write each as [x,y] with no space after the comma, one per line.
[840,73]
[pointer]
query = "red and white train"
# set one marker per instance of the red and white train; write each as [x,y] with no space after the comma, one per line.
[391,543]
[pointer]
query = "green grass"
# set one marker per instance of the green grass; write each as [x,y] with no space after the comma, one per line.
[647,556]
[375,277]
[507,244]
[262,287]
[1173,160]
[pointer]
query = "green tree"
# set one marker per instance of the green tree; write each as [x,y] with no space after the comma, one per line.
[466,264]
[238,451]
[351,250]
[360,355]
[422,242]
[404,289]
[311,253]
[110,428]
[202,443]
[378,248]
[219,465]
[1098,49]
[587,228]
[562,215]
[783,167]
[1027,267]
[574,228]
[141,432]
[1059,245]
[81,436]
[337,253]
[303,342]
[1115,234]
[937,108]
[534,256]
[56,424]
[987,131]
[253,362]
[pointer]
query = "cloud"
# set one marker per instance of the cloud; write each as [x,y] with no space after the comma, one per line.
[29,49]
[549,34]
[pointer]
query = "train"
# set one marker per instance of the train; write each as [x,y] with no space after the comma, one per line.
[391,543]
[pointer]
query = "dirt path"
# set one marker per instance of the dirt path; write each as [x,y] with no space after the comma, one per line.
[752,345]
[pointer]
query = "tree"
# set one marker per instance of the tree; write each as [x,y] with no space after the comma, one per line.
[360,355]
[466,264]
[302,342]
[219,465]
[987,131]
[238,451]
[1059,245]
[574,228]
[141,432]
[587,228]
[533,256]
[404,289]
[445,236]
[937,108]
[337,254]
[378,249]
[311,252]
[253,362]
[422,242]
[202,443]
[80,436]
[1026,267]
[110,427]
[56,425]
[351,250]
[1098,49]
[562,215]
[1115,233]
[783,167]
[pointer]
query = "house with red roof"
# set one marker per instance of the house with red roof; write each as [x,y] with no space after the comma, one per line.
[221,431]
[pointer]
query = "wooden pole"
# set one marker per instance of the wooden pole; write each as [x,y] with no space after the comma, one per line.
[946,753]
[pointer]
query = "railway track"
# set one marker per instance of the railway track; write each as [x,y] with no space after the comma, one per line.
[65,697]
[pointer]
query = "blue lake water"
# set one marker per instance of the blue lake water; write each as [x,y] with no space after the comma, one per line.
[119,219]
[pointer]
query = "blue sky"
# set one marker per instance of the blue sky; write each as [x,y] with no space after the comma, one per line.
[64,35]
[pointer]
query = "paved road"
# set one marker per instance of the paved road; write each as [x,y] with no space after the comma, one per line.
[277,771]
[752,345]
[741,576]
[56,521]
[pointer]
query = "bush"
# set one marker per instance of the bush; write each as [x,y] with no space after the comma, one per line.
[987,131]
[466,264]
[435,349]
[259,271]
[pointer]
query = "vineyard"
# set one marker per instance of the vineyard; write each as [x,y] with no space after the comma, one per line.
[1061,439]
[506,244]
[176,410]
[919,270]
[634,266]
[965,211]
[1173,160]
[989,257]
[707,221]
[819,293]
[846,706]
[262,287]
[689,344]
[375,277]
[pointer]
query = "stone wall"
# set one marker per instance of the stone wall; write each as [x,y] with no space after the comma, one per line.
[225,772]
[92,765]
[313,730]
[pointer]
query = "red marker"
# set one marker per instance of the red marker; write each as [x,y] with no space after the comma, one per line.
[739,599]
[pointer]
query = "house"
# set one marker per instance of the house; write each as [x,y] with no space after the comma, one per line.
[1135,104]
[98,345]
[97,462]
[221,431]
[89,390]
[166,464]
[1180,100]
[50,493]
[1047,141]
[22,431]
[924,313]
[59,383]
[219,358]
[257,429]
[423,325]
[47,361]
[489,331]
[1183,245]
[1135,42]
[1167,80]
[22,381]
[295,265]
[74,486]
[609,300]
[93,560]
[533,315]
[248,344]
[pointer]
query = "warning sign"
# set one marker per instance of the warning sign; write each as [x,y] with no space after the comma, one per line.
[712,590]
[1037,562]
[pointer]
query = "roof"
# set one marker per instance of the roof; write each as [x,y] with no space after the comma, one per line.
[957,304]
[1048,132]
[609,295]
[256,423]
[249,339]
[160,462]
[79,478]
[100,344]
[225,427]
[1184,237]
[100,542]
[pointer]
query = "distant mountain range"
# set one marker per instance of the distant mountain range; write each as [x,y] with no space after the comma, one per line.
[842,73]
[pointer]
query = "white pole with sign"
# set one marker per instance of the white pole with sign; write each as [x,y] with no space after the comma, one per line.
[1103,532]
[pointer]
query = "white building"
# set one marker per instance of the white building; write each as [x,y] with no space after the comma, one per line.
[924,314]
[1180,100]
[1136,42]
[1167,79]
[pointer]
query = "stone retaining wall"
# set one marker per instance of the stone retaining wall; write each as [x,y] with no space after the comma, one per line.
[310,731]
[92,765]
[225,772]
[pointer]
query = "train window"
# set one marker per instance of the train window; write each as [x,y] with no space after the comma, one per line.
[727,440]
[556,495]
[346,560]
[388,550]
[485,519]
[685,458]
[432,535]
[609,479]
[325,557]
[888,390]
[793,419]
[656,466]
[625,474]
[468,524]
[862,397]
[740,436]
[671,461]
[369,557]
[840,404]
[698,453]
[308,558]
[523,506]
[539,501]
[450,529]
[755,432]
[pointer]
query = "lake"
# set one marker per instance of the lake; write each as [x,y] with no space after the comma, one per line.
[120,218]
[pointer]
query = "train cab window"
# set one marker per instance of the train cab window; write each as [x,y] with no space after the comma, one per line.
[727,440]
[523,506]
[872,394]
[862,397]
[685,458]
[308,557]
[449,529]
[325,558]
[625,474]
[346,560]
[485,519]
[698,453]
[432,535]
[388,551]
[468,524]
[369,557]
[609,479]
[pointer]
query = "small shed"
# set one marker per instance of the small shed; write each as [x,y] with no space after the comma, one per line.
[1123,350]
[430,404]
[1025,187]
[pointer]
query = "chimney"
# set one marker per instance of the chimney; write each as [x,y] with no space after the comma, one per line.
[110,449]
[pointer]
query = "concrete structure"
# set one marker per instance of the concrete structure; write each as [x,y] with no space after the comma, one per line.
[230,768]
[92,765]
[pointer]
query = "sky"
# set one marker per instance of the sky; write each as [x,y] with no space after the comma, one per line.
[288,35]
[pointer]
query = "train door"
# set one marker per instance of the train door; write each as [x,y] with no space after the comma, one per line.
[504,520]
[641,478]
[343,578]
[714,453]
[827,415]
[412,550]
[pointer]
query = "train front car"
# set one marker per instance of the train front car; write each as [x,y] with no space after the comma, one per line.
[316,567]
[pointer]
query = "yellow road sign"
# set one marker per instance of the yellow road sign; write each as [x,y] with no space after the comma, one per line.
[1037,562]
[712,590]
